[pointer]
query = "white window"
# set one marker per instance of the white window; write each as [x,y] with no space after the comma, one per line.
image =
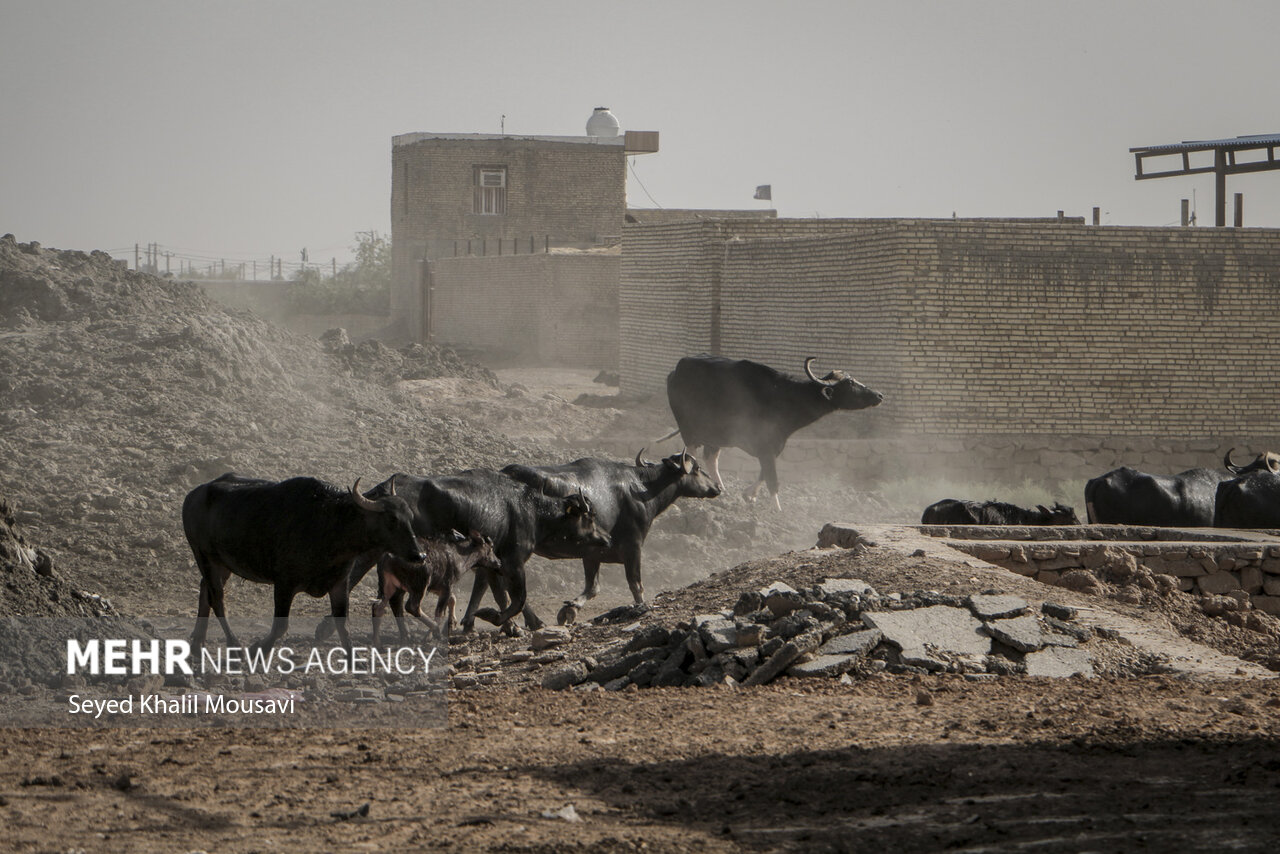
[490,190]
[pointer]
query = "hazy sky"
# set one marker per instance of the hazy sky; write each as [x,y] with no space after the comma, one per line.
[245,129]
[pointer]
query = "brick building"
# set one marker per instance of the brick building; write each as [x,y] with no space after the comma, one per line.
[489,195]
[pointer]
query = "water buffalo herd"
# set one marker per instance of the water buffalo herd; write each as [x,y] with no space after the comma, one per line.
[1234,496]
[305,535]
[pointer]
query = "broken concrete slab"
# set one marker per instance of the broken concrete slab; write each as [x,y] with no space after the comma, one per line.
[1057,611]
[718,635]
[837,587]
[921,657]
[783,658]
[858,643]
[997,606]
[1059,662]
[783,602]
[825,665]
[1021,633]
[940,626]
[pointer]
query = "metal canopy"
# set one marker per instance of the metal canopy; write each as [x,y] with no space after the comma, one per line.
[1233,156]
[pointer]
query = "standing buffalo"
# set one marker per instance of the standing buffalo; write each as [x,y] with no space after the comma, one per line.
[722,403]
[1185,500]
[515,516]
[298,535]
[950,511]
[627,498]
[1251,501]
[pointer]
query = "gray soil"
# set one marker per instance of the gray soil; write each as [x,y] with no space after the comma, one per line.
[120,391]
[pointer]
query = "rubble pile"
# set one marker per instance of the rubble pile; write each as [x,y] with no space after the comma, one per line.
[838,627]
[29,586]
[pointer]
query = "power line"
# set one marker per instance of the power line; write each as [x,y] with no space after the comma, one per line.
[641,183]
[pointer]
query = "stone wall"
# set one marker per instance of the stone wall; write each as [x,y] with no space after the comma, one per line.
[559,308]
[1214,562]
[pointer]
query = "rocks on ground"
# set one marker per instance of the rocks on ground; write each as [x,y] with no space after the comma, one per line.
[840,626]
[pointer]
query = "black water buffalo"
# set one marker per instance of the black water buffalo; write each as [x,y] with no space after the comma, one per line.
[298,535]
[1251,501]
[627,498]
[723,403]
[517,517]
[1126,496]
[951,511]
[445,560]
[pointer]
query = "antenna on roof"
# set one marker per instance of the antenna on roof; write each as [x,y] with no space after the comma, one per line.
[502,124]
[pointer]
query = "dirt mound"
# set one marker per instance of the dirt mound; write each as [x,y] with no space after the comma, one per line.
[374,360]
[28,585]
[122,390]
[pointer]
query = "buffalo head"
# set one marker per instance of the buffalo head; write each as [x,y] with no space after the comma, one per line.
[842,390]
[1268,460]
[1059,514]
[390,521]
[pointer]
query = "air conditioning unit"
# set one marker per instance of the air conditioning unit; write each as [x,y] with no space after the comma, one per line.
[493,177]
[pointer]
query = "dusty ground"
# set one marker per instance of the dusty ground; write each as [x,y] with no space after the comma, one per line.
[117,399]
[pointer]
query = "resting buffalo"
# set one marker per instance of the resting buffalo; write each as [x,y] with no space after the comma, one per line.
[950,511]
[723,403]
[298,535]
[626,498]
[1251,501]
[1185,500]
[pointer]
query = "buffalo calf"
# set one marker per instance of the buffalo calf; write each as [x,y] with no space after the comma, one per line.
[446,560]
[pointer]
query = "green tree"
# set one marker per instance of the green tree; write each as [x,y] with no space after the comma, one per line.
[361,287]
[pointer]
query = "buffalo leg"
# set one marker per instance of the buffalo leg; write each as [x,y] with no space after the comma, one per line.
[379,609]
[339,601]
[631,565]
[591,569]
[216,591]
[769,477]
[280,621]
[712,462]
[358,569]
[397,610]
[481,584]
[213,581]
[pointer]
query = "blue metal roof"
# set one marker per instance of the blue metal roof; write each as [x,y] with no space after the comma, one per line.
[1260,140]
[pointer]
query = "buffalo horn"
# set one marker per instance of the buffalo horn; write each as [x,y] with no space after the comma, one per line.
[362,502]
[1226,461]
[1273,461]
[639,462]
[809,370]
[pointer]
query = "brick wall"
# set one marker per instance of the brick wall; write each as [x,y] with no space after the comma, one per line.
[573,192]
[558,309]
[1035,330]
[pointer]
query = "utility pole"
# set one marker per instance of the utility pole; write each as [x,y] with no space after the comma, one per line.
[136,259]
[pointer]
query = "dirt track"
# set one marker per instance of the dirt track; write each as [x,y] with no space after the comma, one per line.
[1155,764]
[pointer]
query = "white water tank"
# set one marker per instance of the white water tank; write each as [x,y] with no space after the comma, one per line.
[602,123]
